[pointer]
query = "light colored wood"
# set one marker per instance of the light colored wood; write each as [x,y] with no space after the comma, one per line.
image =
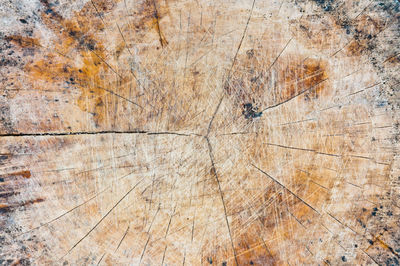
[199,132]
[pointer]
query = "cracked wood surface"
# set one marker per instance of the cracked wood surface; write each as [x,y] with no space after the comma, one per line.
[171,132]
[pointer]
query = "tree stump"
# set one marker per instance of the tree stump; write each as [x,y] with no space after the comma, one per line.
[164,132]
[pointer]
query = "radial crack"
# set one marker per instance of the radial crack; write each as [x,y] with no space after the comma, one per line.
[214,171]
[102,218]
[279,183]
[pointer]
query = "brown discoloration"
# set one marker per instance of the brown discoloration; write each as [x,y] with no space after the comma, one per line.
[151,7]
[78,38]
[306,76]
[266,78]
[25,174]
[252,249]
[23,41]
[356,47]
[76,35]
[394,59]
[11,207]
[376,240]
[12,186]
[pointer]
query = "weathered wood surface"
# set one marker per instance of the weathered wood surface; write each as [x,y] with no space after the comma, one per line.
[199,132]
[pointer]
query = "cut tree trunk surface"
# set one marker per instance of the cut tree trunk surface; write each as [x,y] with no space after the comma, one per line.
[164,132]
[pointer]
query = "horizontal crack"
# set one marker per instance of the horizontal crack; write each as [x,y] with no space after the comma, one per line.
[97,133]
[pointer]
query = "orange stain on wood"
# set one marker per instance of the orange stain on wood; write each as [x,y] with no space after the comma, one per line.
[252,82]
[382,244]
[75,40]
[394,59]
[80,59]
[25,173]
[307,76]
[252,250]
[152,19]
[356,47]
[23,41]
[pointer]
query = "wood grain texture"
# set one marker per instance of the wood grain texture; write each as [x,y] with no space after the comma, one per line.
[167,132]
